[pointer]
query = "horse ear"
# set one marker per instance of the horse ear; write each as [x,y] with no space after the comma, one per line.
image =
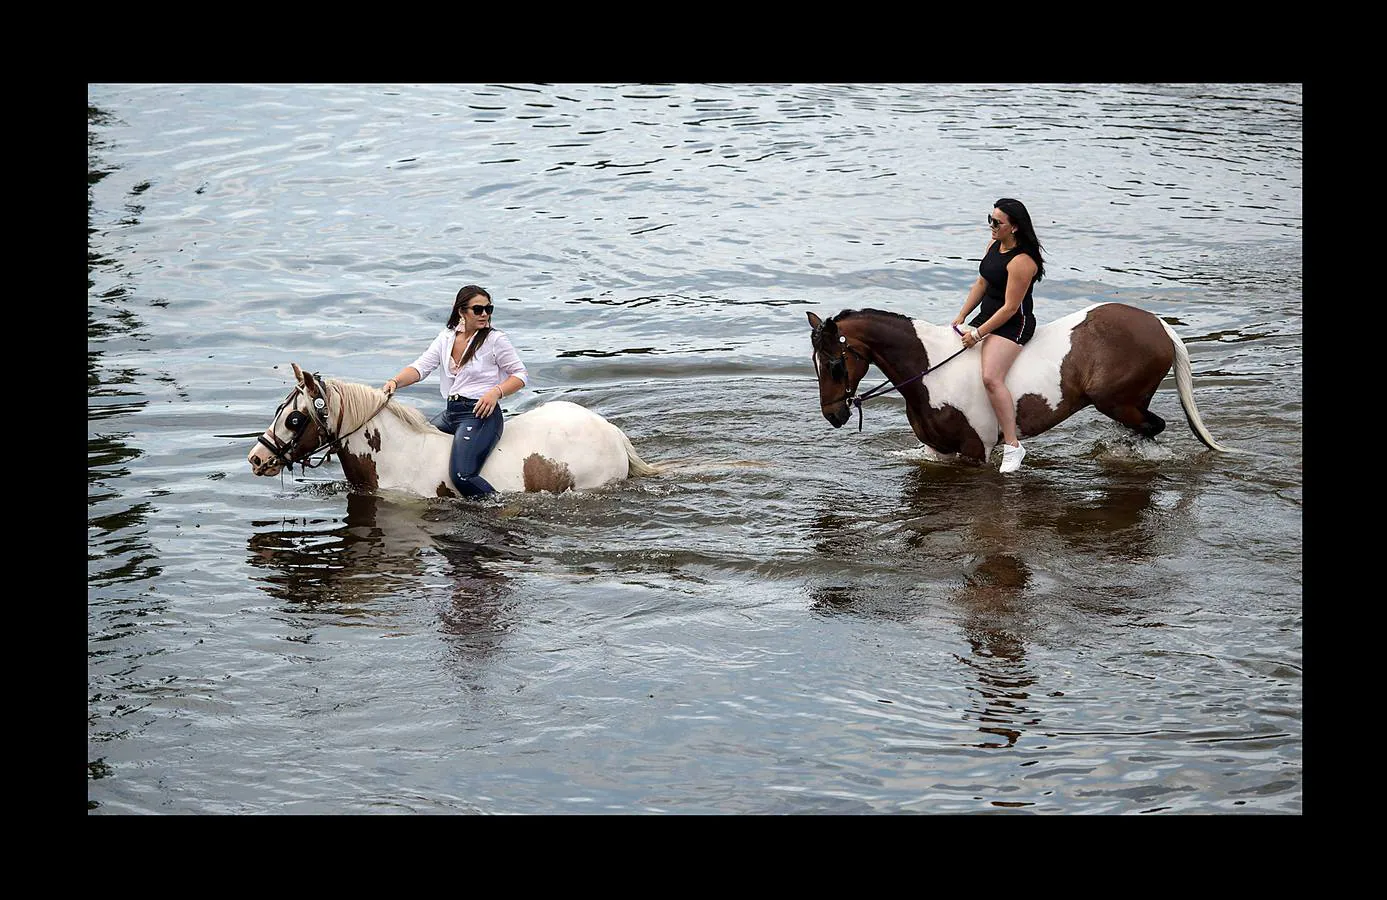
[298,373]
[825,330]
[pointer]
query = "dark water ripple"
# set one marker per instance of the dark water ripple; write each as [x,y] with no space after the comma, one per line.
[792,619]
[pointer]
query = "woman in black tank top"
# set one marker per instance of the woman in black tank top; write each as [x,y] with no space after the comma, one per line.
[1010,267]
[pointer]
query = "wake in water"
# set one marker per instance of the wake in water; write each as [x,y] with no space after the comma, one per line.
[1116,447]
[1125,447]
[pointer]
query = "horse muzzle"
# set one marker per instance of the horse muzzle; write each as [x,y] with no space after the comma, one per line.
[263,461]
[260,466]
[837,415]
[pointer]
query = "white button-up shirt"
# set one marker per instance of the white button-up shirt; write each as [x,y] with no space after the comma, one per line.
[493,362]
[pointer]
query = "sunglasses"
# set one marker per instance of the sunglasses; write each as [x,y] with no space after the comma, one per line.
[482,310]
[994,222]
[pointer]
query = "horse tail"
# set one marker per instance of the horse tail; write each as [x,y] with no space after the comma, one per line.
[635,466]
[1184,380]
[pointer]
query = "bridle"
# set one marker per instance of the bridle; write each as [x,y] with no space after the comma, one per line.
[838,371]
[329,438]
[838,367]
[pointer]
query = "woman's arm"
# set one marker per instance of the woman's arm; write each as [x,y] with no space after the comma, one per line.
[407,376]
[971,302]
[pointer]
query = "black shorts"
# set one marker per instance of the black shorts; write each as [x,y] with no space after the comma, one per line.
[1020,328]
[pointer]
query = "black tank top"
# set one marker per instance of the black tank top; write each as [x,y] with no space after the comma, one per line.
[993,269]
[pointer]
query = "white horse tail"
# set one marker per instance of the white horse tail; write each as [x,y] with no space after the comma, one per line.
[1184,380]
[635,465]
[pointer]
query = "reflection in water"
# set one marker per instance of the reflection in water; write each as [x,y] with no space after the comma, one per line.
[1016,527]
[388,549]
[1132,513]
[1000,532]
[477,611]
[995,522]
[270,212]
[117,548]
[992,600]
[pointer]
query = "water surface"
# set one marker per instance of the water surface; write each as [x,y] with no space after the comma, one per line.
[793,619]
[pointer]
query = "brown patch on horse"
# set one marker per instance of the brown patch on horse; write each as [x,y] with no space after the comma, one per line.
[945,430]
[360,469]
[544,474]
[1122,354]
[373,438]
[443,490]
[1034,414]
[1117,358]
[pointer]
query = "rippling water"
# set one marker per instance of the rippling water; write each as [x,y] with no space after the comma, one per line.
[793,619]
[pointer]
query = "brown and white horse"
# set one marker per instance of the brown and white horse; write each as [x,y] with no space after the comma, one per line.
[1109,356]
[390,446]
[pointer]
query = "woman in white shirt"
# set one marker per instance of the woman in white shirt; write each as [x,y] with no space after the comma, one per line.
[477,366]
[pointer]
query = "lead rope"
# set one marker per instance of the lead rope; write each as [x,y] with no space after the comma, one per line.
[883,388]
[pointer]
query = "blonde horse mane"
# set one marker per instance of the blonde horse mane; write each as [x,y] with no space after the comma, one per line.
[361,401]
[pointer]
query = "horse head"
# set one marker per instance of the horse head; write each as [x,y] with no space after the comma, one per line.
[298,430]
[839,364]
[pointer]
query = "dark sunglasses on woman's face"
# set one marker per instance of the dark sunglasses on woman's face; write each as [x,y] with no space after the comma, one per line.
[990,221]
[482,310]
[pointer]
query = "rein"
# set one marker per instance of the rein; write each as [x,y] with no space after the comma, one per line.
[885,387]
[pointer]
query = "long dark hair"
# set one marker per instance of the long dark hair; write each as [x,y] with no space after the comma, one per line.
[1025,231]
[465,296]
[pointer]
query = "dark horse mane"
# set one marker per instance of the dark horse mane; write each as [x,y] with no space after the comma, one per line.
[849,313]
[825,334]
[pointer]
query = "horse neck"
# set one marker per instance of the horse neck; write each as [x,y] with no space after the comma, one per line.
[373,439]
[892,342]
[363,419]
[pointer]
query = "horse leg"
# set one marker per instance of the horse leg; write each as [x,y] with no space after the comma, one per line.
[1136,416]
[1131,353]
[1152,424]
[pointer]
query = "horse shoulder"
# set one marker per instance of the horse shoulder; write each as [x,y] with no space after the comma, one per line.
[957,409]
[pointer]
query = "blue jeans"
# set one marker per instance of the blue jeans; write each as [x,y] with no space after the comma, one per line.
[473,440]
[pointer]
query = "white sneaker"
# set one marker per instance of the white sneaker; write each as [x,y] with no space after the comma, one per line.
[1011,457]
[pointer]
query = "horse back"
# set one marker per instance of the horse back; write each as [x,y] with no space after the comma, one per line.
[555,447]
[1100,355]
[1117,349]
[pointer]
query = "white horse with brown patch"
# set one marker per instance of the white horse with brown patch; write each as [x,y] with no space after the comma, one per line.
[386,445]
[1109,355]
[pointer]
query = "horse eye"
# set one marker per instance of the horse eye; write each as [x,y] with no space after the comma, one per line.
[295,421]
